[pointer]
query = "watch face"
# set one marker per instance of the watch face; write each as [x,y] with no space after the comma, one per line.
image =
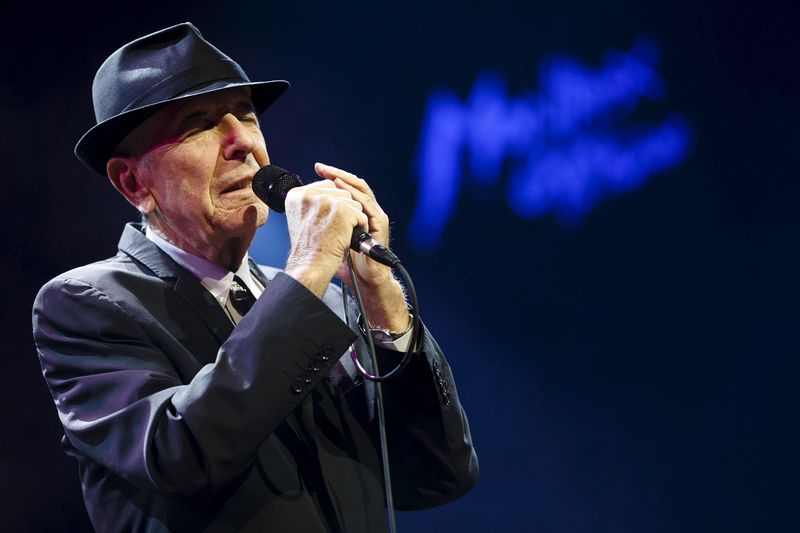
[382,336]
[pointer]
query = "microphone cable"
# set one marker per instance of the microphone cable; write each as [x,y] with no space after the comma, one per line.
[271,184]
[376,378]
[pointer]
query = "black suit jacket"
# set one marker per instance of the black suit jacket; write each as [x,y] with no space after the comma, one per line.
[181,422]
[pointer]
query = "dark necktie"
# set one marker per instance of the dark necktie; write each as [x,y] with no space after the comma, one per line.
[240,296]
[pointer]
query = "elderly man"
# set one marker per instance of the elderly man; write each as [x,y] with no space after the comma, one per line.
[199,391]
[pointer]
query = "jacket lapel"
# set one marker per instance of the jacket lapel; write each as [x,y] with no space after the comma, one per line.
[204,305]
[134,243]
[257,273]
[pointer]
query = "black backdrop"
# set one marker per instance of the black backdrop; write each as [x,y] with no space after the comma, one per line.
[634,372]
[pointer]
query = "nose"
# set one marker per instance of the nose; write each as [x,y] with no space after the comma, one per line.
[238,141]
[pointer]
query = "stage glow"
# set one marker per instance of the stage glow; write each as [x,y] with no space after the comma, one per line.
[563,148]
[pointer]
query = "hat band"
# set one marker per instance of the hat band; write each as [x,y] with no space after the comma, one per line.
[188,79]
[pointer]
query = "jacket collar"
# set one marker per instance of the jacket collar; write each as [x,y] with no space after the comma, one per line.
[134,243]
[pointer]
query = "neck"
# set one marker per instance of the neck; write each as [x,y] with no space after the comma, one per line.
[227,252]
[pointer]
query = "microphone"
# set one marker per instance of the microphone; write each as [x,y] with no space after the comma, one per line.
[272,183]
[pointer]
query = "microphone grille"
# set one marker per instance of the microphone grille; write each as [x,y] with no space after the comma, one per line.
[271,184]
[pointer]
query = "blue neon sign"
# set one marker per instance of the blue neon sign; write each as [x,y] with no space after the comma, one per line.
[564,145]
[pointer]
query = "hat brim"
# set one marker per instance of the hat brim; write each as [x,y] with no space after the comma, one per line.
[98,144]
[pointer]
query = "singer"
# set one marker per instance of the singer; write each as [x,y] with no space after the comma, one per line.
[201,392]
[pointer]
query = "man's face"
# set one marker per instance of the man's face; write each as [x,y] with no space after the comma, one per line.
[198,162]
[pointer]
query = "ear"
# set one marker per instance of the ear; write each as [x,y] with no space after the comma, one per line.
[122,173]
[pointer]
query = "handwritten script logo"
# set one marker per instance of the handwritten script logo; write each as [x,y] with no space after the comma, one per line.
[562,149]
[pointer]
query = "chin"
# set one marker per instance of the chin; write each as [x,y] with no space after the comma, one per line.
[262,213]
[243,220]
[252,217]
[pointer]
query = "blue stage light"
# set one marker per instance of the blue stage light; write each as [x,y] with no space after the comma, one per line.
[565,146]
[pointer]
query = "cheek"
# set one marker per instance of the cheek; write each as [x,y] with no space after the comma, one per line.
[188,187]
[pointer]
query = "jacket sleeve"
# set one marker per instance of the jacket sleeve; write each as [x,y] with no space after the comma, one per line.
[432,459]
[123,405]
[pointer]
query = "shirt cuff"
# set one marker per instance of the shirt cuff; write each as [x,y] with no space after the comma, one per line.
[400,344]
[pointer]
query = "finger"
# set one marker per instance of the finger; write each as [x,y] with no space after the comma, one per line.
[363,221]
[333,197]
[325,187]
[352,204]
[353,209]
[332,173]
[334,192]
[360,191]
[322,184]
[371,206]
[303,198]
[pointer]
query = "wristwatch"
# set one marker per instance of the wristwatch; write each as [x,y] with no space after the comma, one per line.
[381,335]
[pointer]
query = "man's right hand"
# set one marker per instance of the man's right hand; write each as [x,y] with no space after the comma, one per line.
[321,218]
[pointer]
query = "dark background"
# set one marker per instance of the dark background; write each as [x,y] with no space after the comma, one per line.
[636,372]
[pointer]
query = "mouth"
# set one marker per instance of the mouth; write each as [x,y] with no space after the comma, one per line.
[238,186]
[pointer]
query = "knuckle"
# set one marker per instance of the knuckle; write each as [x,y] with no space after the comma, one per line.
[293,198]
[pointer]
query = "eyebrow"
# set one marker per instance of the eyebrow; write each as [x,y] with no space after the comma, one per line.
[191,119]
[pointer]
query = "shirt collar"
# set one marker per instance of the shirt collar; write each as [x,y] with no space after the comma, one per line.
[215,278]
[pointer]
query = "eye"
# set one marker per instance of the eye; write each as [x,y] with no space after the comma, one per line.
[249,117]
[197,125]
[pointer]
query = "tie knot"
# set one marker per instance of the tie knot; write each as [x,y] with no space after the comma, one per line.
[240,296]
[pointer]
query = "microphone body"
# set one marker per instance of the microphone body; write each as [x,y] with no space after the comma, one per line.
[272,183]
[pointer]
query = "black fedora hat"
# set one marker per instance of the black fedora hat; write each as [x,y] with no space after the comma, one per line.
[152,71]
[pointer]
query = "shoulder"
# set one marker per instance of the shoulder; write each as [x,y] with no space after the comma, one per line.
[105,275]
[77,301]
[136,259]
[103,288]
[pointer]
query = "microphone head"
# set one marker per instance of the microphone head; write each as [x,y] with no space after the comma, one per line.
[271,184]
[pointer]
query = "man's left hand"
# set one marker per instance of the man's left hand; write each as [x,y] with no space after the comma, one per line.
[383,296]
